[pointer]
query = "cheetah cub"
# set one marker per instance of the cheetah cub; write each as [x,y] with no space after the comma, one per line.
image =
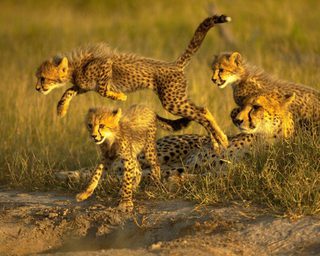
[123,135]
[246,80]
[112,74]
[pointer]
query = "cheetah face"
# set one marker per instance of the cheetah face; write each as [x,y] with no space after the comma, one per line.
[103,125]
[226,69]
[253,118]
[51,75]
[264,114]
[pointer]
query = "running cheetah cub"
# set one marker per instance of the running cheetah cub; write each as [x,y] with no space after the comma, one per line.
[123,136]
[112,74]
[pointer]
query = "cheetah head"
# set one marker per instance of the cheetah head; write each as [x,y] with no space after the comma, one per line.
[226,69]
[52,74]
[266,114]
[103,124]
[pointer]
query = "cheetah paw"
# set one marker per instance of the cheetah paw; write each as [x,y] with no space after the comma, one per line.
[82,196]
[125,206]
[122,97]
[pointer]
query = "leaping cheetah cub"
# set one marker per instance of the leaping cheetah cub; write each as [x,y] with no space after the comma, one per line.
[123,136]
[246,80]
[112,74]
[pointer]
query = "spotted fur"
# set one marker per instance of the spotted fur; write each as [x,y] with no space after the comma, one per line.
[122,136]
[246,80]
[112,74]
[263,119]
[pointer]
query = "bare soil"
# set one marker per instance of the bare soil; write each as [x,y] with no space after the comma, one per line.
[55,224]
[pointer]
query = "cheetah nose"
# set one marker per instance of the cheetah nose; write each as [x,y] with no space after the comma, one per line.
[94,136]
[213,80]
[38,88]
[238,121]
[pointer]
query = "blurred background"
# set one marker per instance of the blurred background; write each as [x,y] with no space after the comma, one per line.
[280,36]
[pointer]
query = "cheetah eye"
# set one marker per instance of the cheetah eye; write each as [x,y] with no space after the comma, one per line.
[101,126]
[90,126]
[221,70]
[256,107]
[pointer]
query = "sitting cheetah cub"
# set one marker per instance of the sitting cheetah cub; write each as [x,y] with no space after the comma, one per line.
[123,136]
[112,74]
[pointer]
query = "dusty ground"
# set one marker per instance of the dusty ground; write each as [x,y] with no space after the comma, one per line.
[51,224]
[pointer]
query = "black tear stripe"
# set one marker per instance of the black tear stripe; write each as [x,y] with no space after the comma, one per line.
[221,80]
[100,133]
[250,119]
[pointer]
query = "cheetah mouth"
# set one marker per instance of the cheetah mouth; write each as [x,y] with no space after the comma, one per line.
[246,129]
[99,141]
[44,91]
[221,84]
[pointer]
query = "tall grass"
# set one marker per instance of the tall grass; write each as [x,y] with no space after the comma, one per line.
[284,178]
[280,36]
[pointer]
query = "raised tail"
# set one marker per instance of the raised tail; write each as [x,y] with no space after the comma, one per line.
[198,37]
[173,125]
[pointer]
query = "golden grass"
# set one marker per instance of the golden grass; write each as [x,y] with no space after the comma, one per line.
[280,36]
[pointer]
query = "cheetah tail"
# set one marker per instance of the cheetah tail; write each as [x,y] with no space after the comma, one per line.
[198,37]
[172,125]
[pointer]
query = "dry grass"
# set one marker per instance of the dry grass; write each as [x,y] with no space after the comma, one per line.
[280,36]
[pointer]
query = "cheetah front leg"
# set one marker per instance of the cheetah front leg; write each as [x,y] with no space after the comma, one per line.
[126,203]
[92,184]
[64,102]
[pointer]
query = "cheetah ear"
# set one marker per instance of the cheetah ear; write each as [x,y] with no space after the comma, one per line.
[235,58]
[117,114]
[91,110]
[214,60]
[288,99]
[63,66]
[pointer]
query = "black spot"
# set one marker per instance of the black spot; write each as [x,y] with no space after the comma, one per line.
[180,170]
[166,158]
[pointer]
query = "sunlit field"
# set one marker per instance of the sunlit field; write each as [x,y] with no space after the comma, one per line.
[280,36]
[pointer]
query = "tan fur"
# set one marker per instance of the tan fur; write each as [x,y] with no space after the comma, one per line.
[246,80]
[122,136]
[263,119]
[112,74]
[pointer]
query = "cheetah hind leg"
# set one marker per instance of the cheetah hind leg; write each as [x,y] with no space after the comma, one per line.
[219,136]
[92,184]
[203,117]
[105,92]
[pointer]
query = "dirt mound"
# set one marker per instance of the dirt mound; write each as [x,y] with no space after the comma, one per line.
[56,225]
